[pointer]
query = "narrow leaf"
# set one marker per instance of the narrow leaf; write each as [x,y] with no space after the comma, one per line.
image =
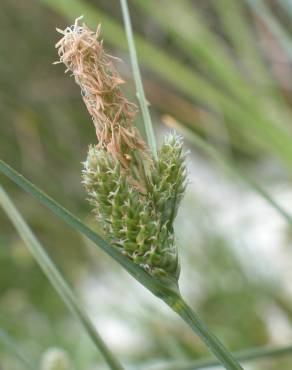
[56,279]
[15,350]
[138,80]
[247,355]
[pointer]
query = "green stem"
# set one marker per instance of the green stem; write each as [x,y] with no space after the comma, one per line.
[247,355]
[138,80]
[178,305]
[56,279]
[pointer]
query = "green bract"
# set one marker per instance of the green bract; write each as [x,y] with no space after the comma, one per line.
[139,223]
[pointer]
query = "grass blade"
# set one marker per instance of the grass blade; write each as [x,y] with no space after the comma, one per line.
[56,279]
[14,349]
[244,39]
[138,79]
[196,41]
[274,26]
[287,5]
[247,355]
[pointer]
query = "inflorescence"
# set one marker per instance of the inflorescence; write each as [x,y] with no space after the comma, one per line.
[135,197]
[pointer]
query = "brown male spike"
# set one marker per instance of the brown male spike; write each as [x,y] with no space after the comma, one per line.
[112,114]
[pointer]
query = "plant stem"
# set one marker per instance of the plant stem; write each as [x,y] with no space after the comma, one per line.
[177,304]
[138,80]
[247,355]
[56,279]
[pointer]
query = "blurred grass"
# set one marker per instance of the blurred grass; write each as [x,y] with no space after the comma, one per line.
[221,70]
[15,350]
[263,128]
[227,165]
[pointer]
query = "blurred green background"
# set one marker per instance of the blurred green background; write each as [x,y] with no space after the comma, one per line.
[217,69]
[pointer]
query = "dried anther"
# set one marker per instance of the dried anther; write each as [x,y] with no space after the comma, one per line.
[82,52]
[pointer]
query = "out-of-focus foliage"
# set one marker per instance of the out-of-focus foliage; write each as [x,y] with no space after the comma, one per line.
[222,68]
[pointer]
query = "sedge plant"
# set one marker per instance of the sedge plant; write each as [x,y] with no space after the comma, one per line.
[122,166]
[135,191]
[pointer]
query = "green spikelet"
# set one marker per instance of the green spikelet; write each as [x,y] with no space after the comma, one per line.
[168,178]
[129,219]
